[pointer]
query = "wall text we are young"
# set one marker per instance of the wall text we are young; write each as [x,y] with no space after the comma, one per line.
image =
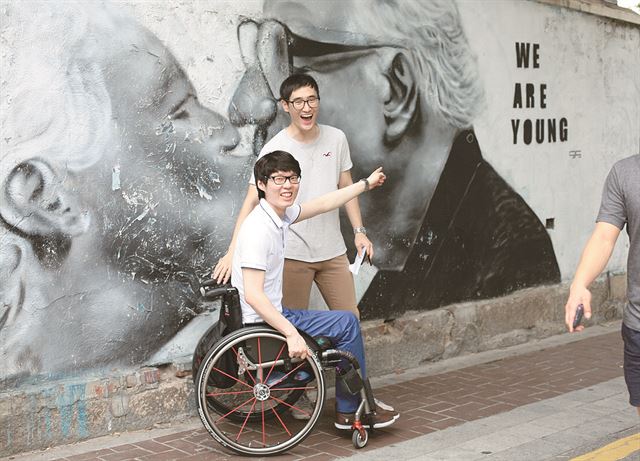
[530,96]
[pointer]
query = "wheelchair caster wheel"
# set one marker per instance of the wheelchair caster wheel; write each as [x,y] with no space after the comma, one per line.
[360,438]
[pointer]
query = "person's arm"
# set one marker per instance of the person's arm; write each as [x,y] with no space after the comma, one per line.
[352,208]
[254,295]
[222,270]
[594,258]
[336,199]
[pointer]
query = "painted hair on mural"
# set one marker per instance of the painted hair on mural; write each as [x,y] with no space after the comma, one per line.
[432,31]
[271,163]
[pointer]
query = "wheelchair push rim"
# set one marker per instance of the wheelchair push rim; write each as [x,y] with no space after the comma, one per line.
[254,415]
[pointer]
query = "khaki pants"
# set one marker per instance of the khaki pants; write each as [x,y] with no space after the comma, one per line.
[332,277]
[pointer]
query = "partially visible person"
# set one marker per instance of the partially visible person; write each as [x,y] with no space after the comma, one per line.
[620,207]
[315,249]
[258,263]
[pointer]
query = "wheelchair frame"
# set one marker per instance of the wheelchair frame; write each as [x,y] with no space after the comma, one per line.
[248,409]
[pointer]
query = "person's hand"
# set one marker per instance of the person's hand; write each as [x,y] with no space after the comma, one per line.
[376,178]
[222,271]
[577,296]
[362,242]
[297,346]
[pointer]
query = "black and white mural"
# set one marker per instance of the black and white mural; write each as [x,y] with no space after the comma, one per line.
[120,182]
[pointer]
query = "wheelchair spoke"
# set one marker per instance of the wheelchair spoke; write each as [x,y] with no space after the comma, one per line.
[302,388]
[264,434]
[281,422]
[293,407]
[259,360]
[301,364]
[232,377]
[246,419]
[217,394]
[239,406]
[266,380]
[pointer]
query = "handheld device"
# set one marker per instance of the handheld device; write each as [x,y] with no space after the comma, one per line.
[578,318]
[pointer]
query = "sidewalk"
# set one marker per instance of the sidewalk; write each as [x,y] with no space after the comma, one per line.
[550,399]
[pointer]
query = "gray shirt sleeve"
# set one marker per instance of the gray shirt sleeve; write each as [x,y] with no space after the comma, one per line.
[612,208]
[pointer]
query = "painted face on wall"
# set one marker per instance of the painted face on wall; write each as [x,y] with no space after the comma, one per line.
[369,89]
[121,239]
[178,187]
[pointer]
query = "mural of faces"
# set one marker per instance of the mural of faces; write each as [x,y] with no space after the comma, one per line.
[103,242]
[119,188]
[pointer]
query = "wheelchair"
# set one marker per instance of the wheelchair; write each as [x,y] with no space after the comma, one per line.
[248,388]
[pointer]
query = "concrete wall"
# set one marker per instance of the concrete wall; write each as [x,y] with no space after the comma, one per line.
[129,131]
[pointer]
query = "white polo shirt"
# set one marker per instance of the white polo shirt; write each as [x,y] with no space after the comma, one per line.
[260,245]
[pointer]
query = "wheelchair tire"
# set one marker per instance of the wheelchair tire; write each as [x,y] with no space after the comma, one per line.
[253,416]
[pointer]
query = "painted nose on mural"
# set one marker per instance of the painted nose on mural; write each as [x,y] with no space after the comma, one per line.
[219,131]
[264,49]
[252,102]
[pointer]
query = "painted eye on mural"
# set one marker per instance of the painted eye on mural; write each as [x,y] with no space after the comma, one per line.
[180,110]
[53,206]
[329,62]
[179,114]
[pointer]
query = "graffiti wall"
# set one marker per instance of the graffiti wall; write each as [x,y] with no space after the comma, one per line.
[129,131]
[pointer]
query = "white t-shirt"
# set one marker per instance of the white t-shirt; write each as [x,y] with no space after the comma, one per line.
[260,245]
[321,162]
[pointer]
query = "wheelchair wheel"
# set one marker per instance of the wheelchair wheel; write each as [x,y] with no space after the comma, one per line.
[252,412]
[360,439]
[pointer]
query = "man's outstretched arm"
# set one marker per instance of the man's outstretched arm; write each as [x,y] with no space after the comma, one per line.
[594,258]
[336,199]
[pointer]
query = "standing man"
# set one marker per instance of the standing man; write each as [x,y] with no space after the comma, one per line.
[315,249]
[620,206]
[258,263]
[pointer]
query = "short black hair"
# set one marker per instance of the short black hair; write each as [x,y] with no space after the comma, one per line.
[275,161]
[296,81]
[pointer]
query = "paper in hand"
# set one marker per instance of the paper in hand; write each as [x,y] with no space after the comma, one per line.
[355,267]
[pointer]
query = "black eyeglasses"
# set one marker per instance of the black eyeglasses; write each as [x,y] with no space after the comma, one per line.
[280,180]
[298,103]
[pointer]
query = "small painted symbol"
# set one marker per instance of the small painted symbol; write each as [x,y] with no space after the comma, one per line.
[328,154]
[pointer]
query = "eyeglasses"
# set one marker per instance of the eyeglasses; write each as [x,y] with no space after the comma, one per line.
[298,103]
[280,180]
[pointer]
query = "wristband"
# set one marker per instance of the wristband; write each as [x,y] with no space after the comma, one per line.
[360,230]
[366,184]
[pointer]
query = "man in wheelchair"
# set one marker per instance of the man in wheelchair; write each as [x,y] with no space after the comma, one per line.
[258,263]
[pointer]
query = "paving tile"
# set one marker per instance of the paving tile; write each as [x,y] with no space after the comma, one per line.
[152,446]
[128,453]
[530,451]
[87,456]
